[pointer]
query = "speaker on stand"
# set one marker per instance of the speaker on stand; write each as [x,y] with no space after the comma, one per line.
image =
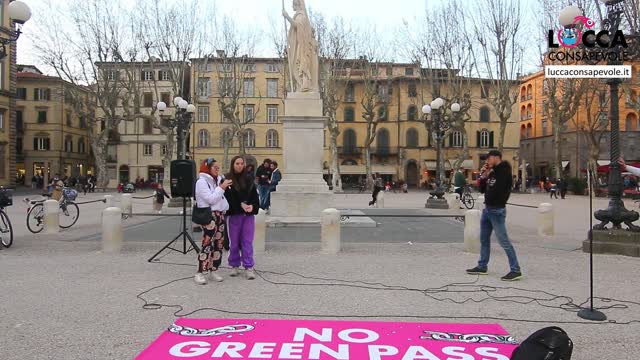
[183,173]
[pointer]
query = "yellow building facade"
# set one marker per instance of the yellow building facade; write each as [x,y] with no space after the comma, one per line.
[50,139]
[401,150]
[7,103]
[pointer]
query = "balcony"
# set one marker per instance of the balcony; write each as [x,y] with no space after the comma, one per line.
[349,150]
[384,151]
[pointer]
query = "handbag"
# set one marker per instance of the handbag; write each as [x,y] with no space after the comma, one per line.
[201,215]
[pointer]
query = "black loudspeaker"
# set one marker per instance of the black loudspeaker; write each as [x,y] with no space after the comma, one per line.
[183,175]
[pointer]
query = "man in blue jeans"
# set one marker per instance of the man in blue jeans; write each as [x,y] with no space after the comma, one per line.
[496,184]
[264,188]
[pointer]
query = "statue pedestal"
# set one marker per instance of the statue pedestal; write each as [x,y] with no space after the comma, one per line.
[302,194]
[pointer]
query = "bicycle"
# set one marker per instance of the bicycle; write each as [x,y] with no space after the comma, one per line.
[6,230]
[68,214]
[467,198]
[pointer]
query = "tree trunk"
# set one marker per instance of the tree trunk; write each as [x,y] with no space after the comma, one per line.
[557,153]
[367,165]
[166,160]
[100,151]
[225,160]
[503,129]
[336,178]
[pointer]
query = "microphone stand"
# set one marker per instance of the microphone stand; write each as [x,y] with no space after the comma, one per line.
[590,313]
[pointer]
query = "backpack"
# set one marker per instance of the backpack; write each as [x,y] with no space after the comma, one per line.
[550,343]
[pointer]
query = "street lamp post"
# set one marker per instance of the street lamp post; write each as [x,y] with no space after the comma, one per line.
[437,126]
[19,13]
[181,122]
[616,213]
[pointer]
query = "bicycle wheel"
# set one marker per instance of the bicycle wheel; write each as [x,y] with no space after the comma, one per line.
[69,215]
[469,202]
[6,231]
[35,218]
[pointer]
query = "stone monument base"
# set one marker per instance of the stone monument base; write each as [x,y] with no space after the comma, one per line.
[618,242]
[435,203]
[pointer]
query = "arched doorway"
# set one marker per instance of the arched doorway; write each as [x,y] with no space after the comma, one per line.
[411,173]
[123,174]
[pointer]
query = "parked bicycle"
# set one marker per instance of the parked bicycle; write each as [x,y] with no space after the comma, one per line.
[68,214]
[6,230]
[467,198]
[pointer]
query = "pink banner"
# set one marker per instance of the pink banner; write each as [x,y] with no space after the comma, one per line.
[324,340]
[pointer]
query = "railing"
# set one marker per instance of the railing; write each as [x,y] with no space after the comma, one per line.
[350,150]
[384,151]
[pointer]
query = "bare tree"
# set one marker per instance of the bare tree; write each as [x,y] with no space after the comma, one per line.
[498,29]
[335,42]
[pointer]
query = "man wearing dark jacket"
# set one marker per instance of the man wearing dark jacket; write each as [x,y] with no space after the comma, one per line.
[496,183]
[264,175]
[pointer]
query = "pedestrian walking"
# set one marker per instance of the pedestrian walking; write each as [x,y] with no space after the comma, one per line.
[495,182]
[459,182]
[553,190]
[158,198]
[243,206]
[209,193]
[378,185]
[264,175]
[562,187]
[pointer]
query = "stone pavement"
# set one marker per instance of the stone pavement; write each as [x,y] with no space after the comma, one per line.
[62,299]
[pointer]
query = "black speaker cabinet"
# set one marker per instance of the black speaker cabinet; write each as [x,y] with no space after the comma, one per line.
[183,176]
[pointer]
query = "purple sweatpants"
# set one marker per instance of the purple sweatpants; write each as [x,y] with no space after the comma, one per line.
[241,229]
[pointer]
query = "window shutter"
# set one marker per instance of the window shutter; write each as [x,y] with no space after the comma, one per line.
[491,139]
[451,140]
[160,74]
[48,94]
[478,139]
[35,143]
[141,74]
[428,139]
[35,94]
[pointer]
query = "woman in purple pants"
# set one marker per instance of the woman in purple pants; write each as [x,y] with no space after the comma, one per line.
[244,204]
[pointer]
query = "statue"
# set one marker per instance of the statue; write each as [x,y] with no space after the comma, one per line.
[302,50]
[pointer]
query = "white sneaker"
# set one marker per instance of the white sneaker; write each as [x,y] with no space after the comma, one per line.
[215,277]
[200,279]
[235,272]
[250,274]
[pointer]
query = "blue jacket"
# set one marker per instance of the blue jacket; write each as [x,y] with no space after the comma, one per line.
[276,176]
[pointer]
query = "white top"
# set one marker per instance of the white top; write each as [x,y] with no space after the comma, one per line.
[634,170]
[208,193]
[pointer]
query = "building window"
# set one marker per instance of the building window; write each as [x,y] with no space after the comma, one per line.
[249,138]
[485,139]
[272,114]
[164,150]
[147,75]
[412,113]
[225,119]
[147,126]
[349,114]
[68,117]
[249,67]
[81,149]
[484,114]
[272,138]
[249,114]
[41,143]
[529,131]
[226,137]
[247,88]
[529,112]
[408,71]
[203,114]
[225,67]
[523,132]
[523,113]
[383,91]
[382,113]
[544,127]
[272,68]
[147,150]
[19,145]
[484,92]
[349,141]
[604,117]
[203,138]
[204,87]
[112,75]
[165,75]
[42,117]
[165,97]
[83,123]
[382,142]
[631,123]
[272,88]
[22,93]
[148,100]
[412,138]
[3,154]
[349,93]
[412,89]
[19,121]
[456,139]
[68,144]
[41,94]
[2,121]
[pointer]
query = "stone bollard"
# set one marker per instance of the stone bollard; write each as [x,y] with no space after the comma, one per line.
[453,200]
[108,199]
[125,204]
[260,235]
[472,231]
[479,203]
[545,219]
[330,231]
[51,217]
[111,230]
[380,200]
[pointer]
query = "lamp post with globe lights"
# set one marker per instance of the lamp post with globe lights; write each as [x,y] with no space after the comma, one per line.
[181,122]
[437,125]
[19,13]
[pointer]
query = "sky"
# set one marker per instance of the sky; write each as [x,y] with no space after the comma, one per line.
[386,15]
